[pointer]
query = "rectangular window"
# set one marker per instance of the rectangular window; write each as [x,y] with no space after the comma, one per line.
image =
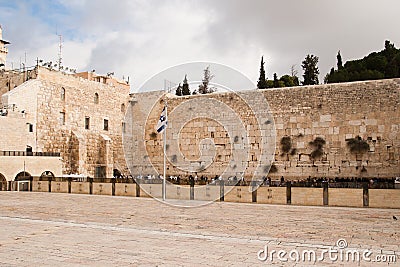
[62,94]
[123,127]
[100,172]
[87,123]
[30,127]
[105,125]
[62,118]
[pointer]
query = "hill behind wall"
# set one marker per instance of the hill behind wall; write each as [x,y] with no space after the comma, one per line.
[334,113]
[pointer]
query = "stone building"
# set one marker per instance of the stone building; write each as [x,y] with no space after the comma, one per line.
[3,50]
[75,117]
[315,122]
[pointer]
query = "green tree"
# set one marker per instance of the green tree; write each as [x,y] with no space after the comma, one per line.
[393,67]
[311,70]
[293,73]
[185,87]
[204,87]
[262,83]
[276,81]
[339,61]
[288,81]
[178,91]
[270,83]
[377,65]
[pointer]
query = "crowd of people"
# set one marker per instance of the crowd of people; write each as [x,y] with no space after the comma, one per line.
[337,182]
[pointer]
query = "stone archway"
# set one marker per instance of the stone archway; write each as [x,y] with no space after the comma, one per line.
[46,176]
[3,183]
[23,181]
[23,176]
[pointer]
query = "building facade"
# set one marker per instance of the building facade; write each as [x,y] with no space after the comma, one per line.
[3,50]
[75,117]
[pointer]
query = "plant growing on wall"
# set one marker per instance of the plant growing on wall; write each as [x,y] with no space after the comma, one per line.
[318,148]
[286,146]
[153,135]
[270,168]
[273,169]
[357,146]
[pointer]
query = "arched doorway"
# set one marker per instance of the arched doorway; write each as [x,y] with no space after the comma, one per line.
[46,176]
[3,183]
[23,176]
[22,181]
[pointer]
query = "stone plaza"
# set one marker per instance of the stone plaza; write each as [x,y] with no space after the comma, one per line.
[55,229]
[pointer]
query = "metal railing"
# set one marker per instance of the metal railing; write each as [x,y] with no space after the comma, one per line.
[29,154]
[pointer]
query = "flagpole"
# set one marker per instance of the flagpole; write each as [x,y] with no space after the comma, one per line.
[164,186]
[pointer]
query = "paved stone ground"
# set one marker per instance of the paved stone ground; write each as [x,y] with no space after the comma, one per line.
[49,229]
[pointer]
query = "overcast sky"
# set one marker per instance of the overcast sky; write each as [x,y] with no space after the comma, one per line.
[141,38]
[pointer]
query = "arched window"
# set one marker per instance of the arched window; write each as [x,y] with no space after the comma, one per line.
[96,98]
[46,176]
[62,94]
[123,108]
[3,183]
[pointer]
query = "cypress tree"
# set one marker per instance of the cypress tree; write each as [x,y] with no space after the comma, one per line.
[185,87]
[339,61]
[262,83]
[178,91]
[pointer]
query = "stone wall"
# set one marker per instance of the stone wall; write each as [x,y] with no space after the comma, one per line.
[334,112]
[15,134]
[342,197]
[271,195]
[307,196]
[348,197]
[381,198]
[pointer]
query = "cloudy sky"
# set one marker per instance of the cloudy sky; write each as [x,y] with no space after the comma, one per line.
[139,38]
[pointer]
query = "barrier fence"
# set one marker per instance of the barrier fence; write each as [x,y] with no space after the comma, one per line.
[325,195]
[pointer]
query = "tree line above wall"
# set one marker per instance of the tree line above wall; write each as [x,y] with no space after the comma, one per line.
[377,65]
[384,64]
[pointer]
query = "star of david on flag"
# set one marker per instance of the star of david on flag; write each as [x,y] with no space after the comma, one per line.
[162,122]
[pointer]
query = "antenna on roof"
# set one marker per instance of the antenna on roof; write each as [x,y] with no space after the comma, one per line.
[60,52]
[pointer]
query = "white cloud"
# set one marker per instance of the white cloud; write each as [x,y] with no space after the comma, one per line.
[140,38]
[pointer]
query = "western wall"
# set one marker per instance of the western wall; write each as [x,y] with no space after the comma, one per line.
[334,113]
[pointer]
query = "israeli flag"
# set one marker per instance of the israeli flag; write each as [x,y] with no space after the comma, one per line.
[162,122]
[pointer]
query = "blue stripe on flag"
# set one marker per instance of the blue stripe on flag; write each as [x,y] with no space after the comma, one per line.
[162,122]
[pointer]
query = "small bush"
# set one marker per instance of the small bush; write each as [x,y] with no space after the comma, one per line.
[318,146]
[153,135]
[286,144]
[271,169]
[357,145]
